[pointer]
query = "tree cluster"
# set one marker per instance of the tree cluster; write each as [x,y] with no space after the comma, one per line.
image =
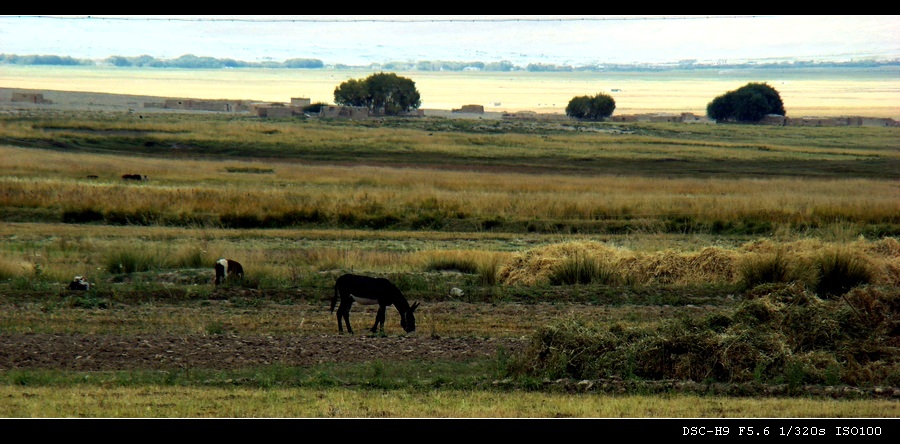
[383,93]
[749,103]
[190,61]
[597,107]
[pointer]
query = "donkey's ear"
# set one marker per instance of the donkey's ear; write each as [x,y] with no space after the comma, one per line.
[414,306]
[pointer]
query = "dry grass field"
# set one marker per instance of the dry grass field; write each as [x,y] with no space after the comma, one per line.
[161,314]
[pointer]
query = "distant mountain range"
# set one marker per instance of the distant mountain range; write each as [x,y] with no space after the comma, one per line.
[190,61]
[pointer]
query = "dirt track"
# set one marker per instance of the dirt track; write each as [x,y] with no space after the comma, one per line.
[163,352]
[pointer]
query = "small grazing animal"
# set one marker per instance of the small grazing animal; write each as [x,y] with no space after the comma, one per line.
[227,269]
[366,290]
[79,283]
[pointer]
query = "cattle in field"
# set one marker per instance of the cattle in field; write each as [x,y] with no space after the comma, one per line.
[366,290]
[137,177]
[228,270]
[93,176]
[79,283]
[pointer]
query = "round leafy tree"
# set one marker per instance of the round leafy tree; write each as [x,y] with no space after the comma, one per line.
[383,93]
[749,103]
[597,107]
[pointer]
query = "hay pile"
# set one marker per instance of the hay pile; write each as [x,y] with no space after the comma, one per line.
[535,265]
[781,334]
[709,265]
[666,267]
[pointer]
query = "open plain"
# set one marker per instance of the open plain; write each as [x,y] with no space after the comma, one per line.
[169,318]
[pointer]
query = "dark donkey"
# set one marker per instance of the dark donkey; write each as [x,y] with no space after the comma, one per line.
[370,291]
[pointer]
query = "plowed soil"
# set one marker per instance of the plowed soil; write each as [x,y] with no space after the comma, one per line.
[161,352]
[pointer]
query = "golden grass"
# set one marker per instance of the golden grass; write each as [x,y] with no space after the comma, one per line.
[56,180]
[708,265]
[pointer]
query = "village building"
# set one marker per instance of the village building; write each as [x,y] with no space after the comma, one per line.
[29,98]
[274,111]
[472,109]
[344,112]
[201,105]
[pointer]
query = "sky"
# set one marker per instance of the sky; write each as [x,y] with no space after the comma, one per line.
[554,39]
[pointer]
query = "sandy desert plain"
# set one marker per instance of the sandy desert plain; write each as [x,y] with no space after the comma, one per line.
[872,92]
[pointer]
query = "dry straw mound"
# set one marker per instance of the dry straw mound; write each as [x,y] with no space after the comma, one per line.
[709,265]
[668,267]
[535,265]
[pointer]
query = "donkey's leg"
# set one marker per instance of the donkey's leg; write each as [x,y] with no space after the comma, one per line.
[379,319]
[343,312]
[340,322]
[347,320]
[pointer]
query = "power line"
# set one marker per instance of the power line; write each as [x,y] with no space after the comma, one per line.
[388,19]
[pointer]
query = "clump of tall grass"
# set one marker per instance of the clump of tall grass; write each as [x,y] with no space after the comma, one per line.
[839,271]
[13,268]
[488,271]
[191,257]
[581,269]
[129,261]
[768,269]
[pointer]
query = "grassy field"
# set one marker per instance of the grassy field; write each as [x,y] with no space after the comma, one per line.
[799,223]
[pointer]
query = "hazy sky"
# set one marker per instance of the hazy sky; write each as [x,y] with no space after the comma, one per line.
[558,39]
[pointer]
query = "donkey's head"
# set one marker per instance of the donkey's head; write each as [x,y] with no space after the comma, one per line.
[408,319]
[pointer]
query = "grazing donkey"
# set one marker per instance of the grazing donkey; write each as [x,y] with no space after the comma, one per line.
[369,291]
[228,269]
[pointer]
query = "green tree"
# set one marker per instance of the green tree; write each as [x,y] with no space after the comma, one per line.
[383,93]
[749,103]
[597,107]
[353,92]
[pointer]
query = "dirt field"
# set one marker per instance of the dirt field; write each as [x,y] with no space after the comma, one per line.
[167,352]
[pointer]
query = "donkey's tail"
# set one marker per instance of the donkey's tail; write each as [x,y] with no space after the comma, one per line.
[334,298]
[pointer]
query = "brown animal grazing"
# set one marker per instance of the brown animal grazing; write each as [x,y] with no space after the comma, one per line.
[227,269]
[133,177]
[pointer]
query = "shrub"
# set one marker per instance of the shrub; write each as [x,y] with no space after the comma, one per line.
[580,269]
[488,272]
[838,272]
[769,269]
[597,107]
[749,103]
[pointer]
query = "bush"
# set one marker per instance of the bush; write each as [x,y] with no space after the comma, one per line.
[579,269]
[597,107]
[838,272]
[749,103]
[772,269]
